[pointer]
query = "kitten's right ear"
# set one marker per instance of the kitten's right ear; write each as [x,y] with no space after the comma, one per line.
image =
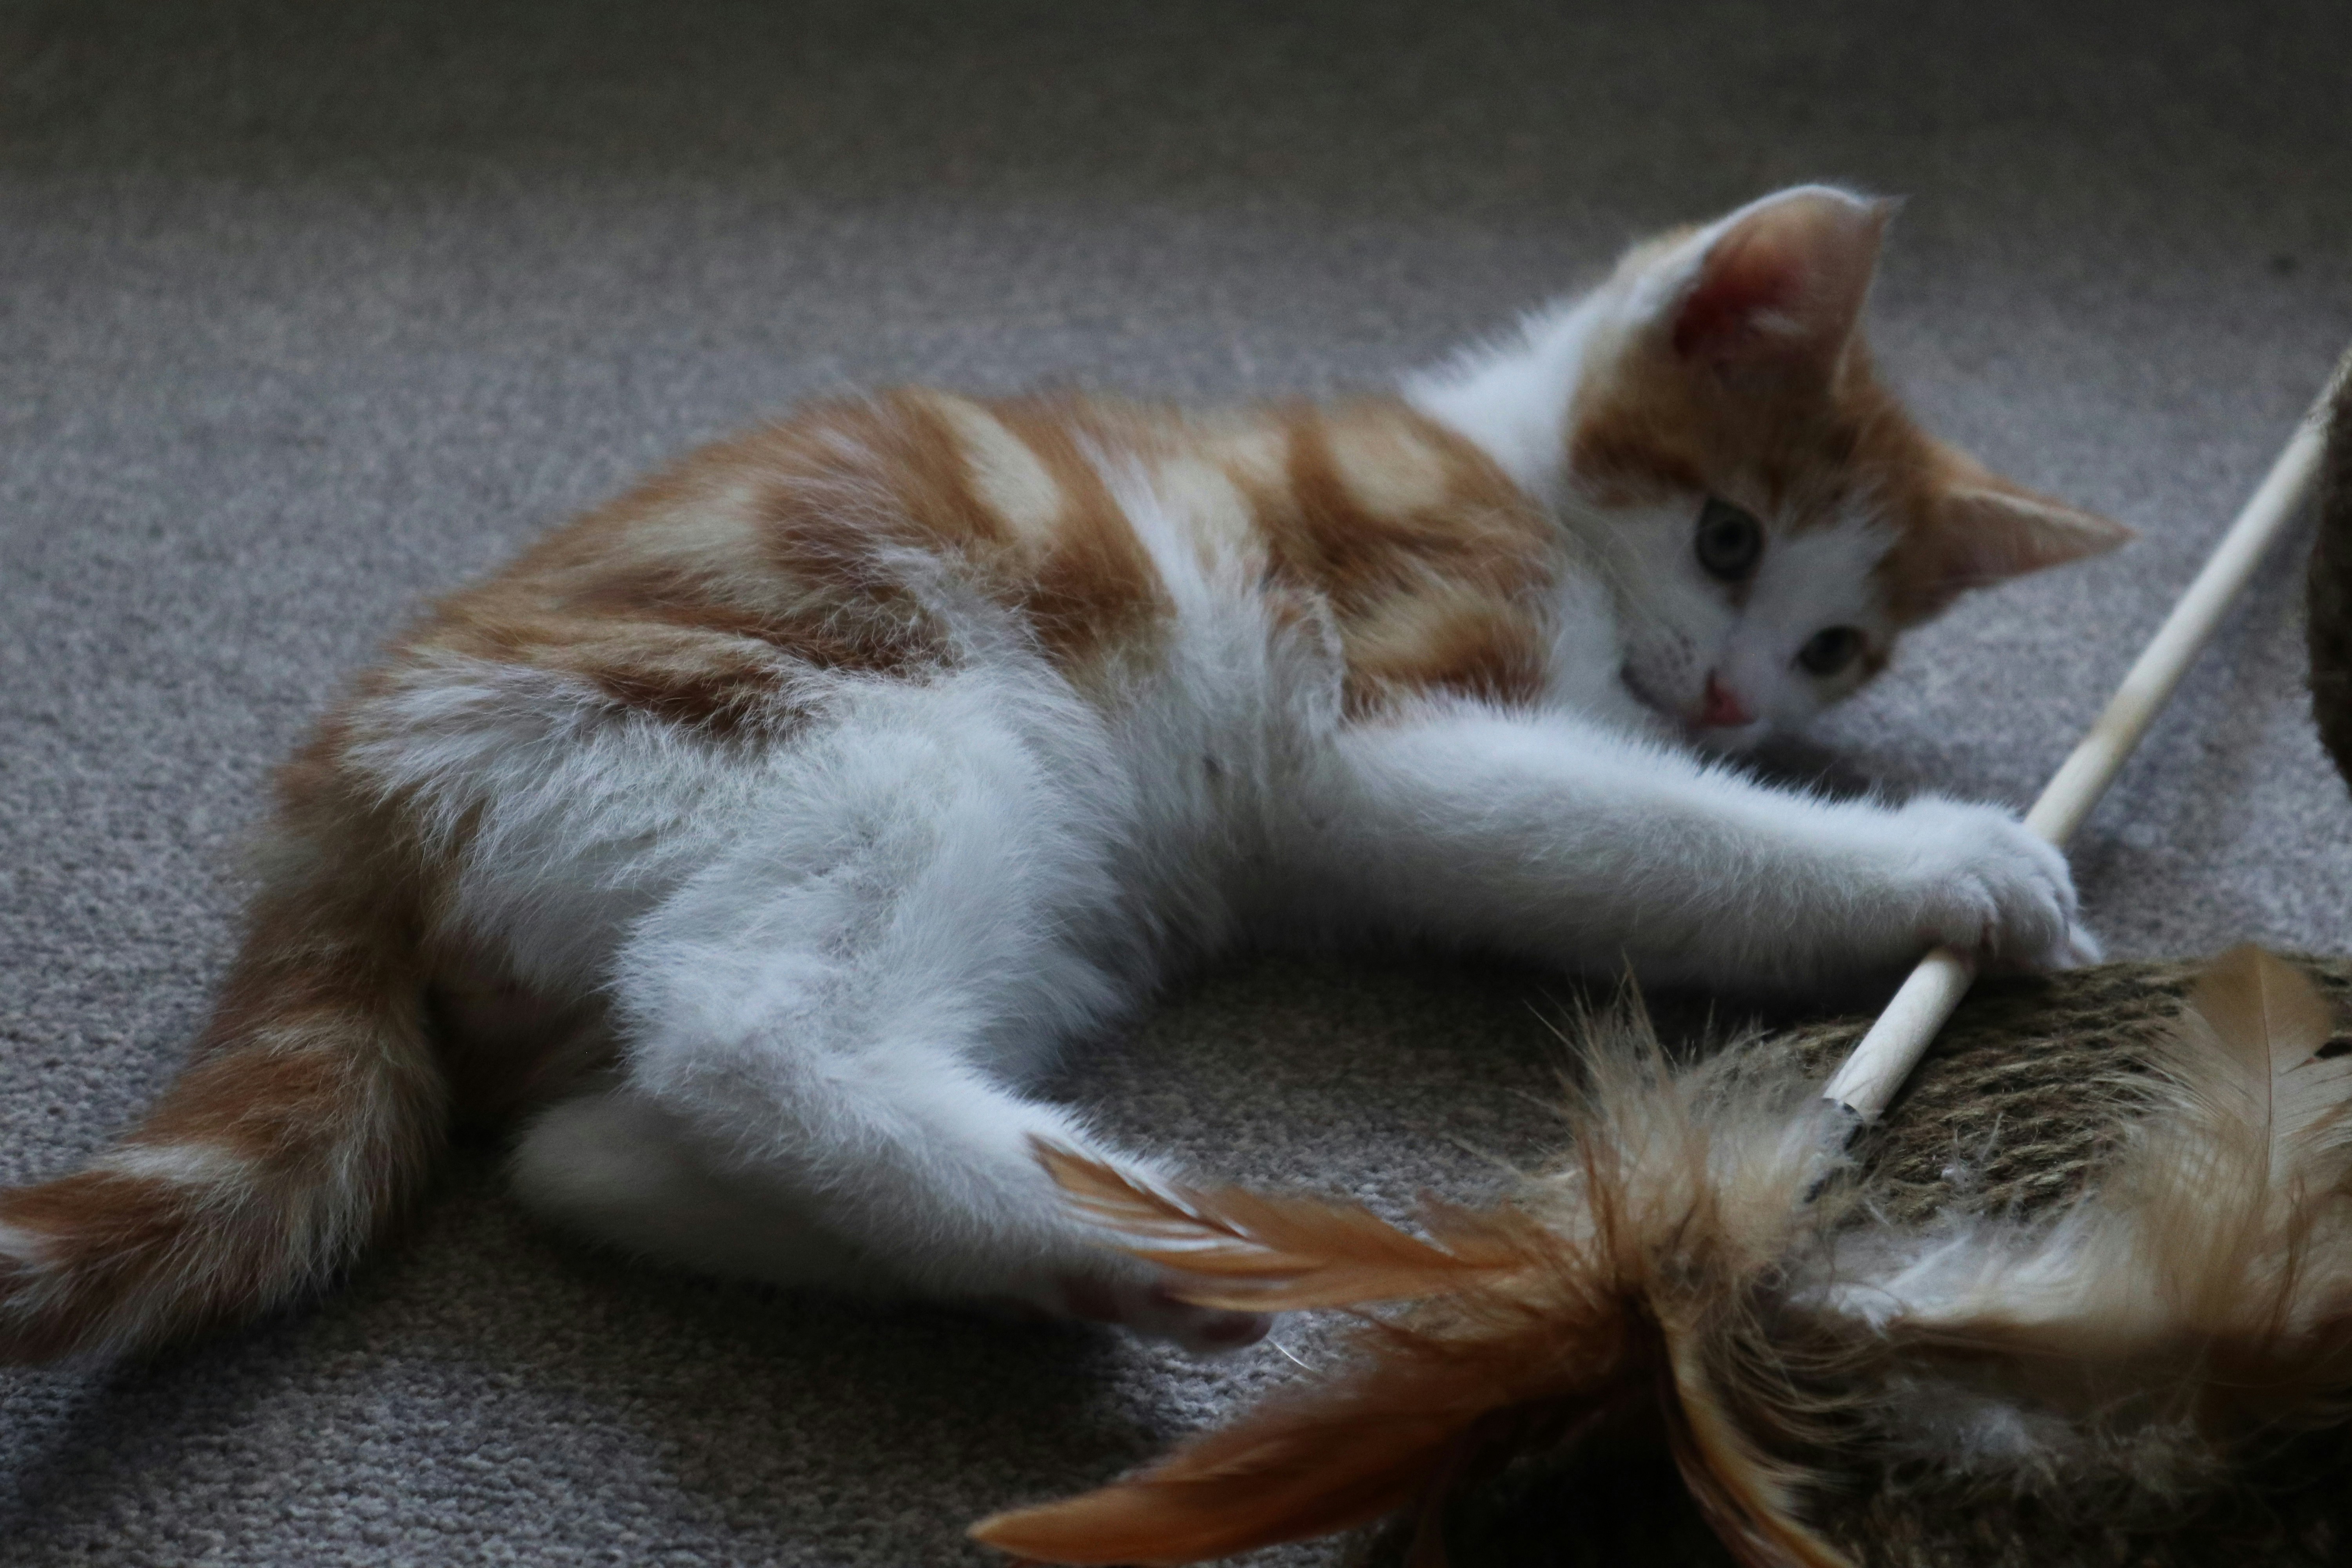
[1981,529]
[1999,531]
[1780,283]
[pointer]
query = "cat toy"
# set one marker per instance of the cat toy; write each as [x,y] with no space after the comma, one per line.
[1723,1276]
[1884,1059]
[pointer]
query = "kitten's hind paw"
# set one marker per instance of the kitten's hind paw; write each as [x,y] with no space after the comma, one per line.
[1150,1308]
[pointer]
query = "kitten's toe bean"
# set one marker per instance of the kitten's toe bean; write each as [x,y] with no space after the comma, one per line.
[1993,887]
[1203,1330]
[1150,1308]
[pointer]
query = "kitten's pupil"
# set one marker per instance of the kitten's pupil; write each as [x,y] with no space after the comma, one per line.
[1830,650]
[1730,541]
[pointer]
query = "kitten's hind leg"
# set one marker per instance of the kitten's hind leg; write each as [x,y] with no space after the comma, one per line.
[830,1019]
[613,1165]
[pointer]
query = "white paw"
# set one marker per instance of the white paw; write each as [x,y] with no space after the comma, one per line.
[1148,1308]
[1987,886]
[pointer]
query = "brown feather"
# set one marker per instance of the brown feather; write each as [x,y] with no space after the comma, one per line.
[2263,1017]
[1750,1499]
[1631,1291]
[1358,1446]
[1679,1269]
[1277,1254]
[2203,1281]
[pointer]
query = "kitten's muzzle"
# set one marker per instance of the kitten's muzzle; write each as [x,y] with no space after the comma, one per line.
[1721,707]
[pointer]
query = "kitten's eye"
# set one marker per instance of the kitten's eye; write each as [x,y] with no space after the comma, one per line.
[1830,650]
[1730,541]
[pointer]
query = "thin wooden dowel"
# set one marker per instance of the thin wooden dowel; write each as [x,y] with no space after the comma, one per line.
[1875,1071]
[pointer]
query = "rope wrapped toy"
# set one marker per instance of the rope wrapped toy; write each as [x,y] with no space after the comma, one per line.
[2085,1296]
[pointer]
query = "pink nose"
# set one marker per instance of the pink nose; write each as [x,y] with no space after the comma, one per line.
[1721,709]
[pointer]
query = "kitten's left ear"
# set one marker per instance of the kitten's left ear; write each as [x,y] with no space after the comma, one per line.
[1780,282]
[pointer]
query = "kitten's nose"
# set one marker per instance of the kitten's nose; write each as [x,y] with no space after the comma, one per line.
[1721,710]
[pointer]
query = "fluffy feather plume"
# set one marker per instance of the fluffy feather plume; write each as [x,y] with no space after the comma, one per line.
[2203,1290]
[1617,1301]
[1254,1252]
[1683,1280]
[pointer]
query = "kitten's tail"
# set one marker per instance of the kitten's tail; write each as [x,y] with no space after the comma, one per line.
[313,1102]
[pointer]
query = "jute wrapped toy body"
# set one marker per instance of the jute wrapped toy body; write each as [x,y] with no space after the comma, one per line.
[1672,1288]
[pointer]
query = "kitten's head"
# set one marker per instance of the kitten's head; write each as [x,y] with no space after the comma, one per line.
[1771,518]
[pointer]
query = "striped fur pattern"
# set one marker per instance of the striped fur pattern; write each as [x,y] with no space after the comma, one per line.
[761,834]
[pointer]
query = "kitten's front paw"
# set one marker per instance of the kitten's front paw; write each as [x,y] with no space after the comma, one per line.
[1988,886]
[2083,949]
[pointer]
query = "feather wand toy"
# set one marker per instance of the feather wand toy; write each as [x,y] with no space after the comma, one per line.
[1690,1280]
[1879,1065]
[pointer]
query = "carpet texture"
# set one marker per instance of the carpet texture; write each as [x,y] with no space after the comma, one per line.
[309,312]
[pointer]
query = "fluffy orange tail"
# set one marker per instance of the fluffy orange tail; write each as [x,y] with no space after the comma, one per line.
[313,1101]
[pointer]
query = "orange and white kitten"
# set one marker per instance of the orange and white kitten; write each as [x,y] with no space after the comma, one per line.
[766,829]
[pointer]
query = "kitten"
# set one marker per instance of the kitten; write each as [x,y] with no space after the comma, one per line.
[770,827]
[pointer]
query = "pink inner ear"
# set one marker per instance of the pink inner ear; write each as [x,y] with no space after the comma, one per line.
[1785,280]
[1741,282]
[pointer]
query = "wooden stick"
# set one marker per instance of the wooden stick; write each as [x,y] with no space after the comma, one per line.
[1875,1070]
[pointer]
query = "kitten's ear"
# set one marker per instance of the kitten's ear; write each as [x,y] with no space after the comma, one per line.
[1995,532]
[1981,530]
[1780,283]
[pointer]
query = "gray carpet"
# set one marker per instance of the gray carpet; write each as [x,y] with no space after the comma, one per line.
[307,311]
